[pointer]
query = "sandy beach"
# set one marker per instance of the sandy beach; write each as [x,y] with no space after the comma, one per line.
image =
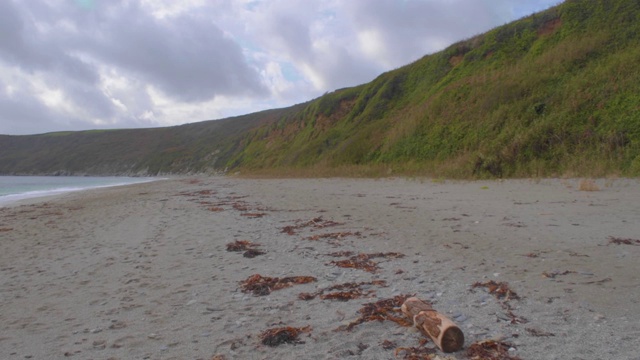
[143,271]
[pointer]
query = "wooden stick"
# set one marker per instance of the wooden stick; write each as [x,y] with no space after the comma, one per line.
[444,333]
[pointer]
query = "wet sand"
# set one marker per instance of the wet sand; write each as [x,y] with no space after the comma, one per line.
[142,271]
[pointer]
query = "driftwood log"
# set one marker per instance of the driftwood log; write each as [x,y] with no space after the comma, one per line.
[444,333]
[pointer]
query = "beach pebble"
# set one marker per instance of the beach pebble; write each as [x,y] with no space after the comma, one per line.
[460,318]
[598,317]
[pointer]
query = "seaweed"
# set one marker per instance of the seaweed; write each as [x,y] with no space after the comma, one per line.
[263,285]
[335,235]
[553,274]
[251,253]
[515,319]
[363,261]
[621,241]
[500,290]
[357,263]
[346,295]
[602,281]
[536,332]
[317,223]
[253,215]
[283,335]
[6,229]
[201,193]
[240,206]
[490,350]
[381,310]
[289,230]
[361,348]
[388,344]
[247,246]
[350,291]
[241,245]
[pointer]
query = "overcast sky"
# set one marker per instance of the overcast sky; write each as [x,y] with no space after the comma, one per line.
[94,64]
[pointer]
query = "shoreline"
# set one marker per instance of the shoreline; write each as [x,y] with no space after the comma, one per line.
[142,272]
[36,196]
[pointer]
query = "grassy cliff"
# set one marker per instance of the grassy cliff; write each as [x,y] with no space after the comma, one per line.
[555,93]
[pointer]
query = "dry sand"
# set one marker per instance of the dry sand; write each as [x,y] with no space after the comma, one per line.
[142,271]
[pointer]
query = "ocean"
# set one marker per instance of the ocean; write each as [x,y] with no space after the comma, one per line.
[14,188]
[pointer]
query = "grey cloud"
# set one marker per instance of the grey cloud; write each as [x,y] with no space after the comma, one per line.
[24,46]
[188,57]
[25,114]
[419,27]
[292,34]
[286,25]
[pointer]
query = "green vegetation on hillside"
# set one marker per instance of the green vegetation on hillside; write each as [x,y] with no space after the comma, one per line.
[555,93]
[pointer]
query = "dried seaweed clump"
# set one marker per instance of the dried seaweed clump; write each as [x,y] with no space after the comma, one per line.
[490,350]
[201,193]
[317,223]
[334,235]
[500,290]
[388,344]
[363,261]
[241,245]
[553,274]
[356,262]
[621,241]
[537,332]
[385,309]
[251,253]
[283,335]
[349,291]
[248,247]
[263,285]
[253,215]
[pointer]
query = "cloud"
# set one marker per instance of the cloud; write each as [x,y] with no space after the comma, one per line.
[83,64]
[186,56]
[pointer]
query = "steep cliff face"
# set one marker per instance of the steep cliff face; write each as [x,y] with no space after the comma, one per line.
[551,94]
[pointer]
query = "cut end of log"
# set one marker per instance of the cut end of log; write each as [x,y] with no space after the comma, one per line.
[452,339]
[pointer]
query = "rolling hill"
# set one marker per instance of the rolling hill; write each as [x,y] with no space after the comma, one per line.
[555,93]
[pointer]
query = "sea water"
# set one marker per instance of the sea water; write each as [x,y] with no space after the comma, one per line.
[14,188]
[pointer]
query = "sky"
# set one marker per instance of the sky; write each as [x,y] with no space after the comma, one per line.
[104,64]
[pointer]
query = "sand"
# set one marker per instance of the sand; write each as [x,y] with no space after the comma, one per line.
[142,271]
